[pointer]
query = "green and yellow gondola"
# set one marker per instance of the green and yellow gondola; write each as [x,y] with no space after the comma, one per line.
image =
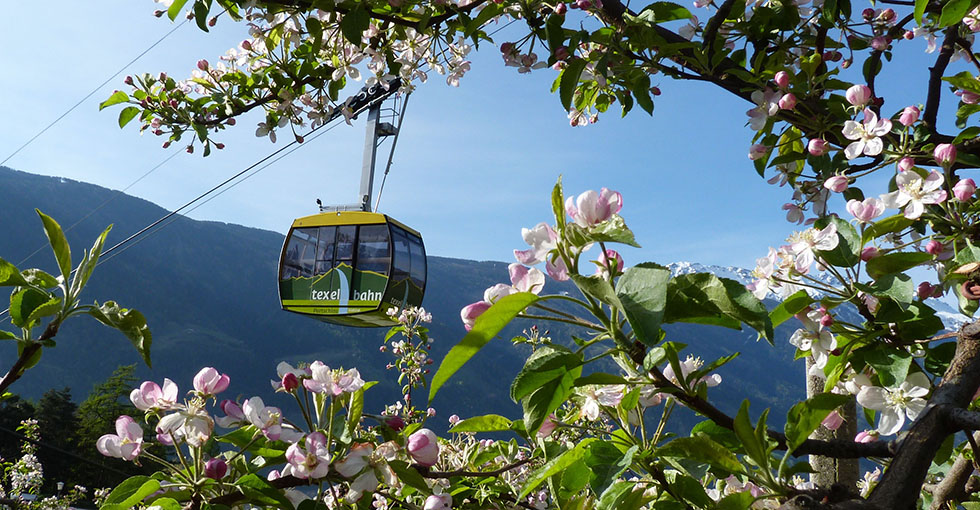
[350,267]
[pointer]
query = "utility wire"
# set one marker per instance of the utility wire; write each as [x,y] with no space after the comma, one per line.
[90,94]
[63,452]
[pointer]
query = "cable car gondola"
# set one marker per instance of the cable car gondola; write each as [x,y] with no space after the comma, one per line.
[348,265]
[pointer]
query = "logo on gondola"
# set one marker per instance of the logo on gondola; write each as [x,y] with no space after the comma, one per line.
[367,295]
[325,295]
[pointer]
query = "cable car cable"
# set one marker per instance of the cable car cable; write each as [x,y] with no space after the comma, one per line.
[62,451]
[105,202]
[391,153]
[90,94]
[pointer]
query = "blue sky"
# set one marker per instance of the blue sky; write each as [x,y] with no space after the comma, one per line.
[474,164]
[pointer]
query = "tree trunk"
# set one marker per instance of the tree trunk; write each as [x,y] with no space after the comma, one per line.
[827,470]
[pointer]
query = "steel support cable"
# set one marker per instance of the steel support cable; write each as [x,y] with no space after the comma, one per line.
[90,94]
[391,153]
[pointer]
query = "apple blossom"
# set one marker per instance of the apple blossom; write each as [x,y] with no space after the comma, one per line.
[866,436]
[215,469]
[497,291]
[925,290]
[438,502]
[968,97]
[837,183]
[209,382]
[905,164]
[126,443]
[149,396]
[192,425]
[866,135]
[361,456]
[858,95]
[688,366]
[548,426]
[311,462]
[818,147]
[866,210]
[526,279]
[787,102]
[804,244]
[758,151]
[868,253]
[266,419]
[934,247]
[909,116]
[233,414]
[945,154]
[767,105]
[782,79]
[879,43]
[609,258]
[470,312]
[591,208]
[914,193]
[542,240]
[833,421]
[895,404]
[289,383]
[794,213]
[596,396]
[423,446]
[964,189]
[815,339]
[557,269]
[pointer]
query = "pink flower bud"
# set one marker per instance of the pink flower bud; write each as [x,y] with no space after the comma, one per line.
[837,183]
[438,502]
[869,253]
[833,420]
[202,64]
[549,426]
[758,151]
[905,164]
[215,469]
[561,53]
[908,35]
[655,91]
[166,145]
[909,116]
[190,149]
[818,147]
[968,97]
[209,382]
[827,320]
[232,409]
[231,121]
[787,102]
[868,13]
[158,12]
[879,43]
[926,290]
[934,247]
[507,48]
[561,9]
[858,95]
[219,146]
[782,79]
[470,312]
[454,419]
[289,382]
[247,45]
[866,436]
[887,15]
[213,21]
[423,446]
[964,189]
[395,422]
[832,56]
[945,154]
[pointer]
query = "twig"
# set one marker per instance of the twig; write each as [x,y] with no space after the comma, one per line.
[460,472]
[936,79]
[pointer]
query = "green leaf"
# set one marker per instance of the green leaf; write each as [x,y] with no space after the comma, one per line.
[555,465]
[736,501]
[258,491]
[953,12]
[568,82]
[127,114]
[59,244]
[201,11]
[10,276]
[356,411]
[484,329]
[892,365]
[642,290]
[164,504]
[88,263]
[355,22]
[664,11]
[46,309]
[702,449]
[175,8]
[848,250]
[485,423]
[790,307]
[967,134]
[608,463]
[899,287]
[597,287]
[547,398]
[409,476]
[6,335]
[746,434]
[558,205]
[543,366]
[884,226]
[613,230]
[896,263]
[116,98]
[39,278]
[130,492]
[804,417]
[707,299]
[129,322]
[600,378]
[920,10]
[24,302]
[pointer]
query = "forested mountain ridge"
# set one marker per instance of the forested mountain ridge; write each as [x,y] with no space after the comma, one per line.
[208,291]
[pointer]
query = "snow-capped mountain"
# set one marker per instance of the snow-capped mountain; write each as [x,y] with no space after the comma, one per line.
[950,316]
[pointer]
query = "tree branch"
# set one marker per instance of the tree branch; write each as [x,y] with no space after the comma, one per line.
[459,472]
[936,79]
[18,368]
[899,487]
